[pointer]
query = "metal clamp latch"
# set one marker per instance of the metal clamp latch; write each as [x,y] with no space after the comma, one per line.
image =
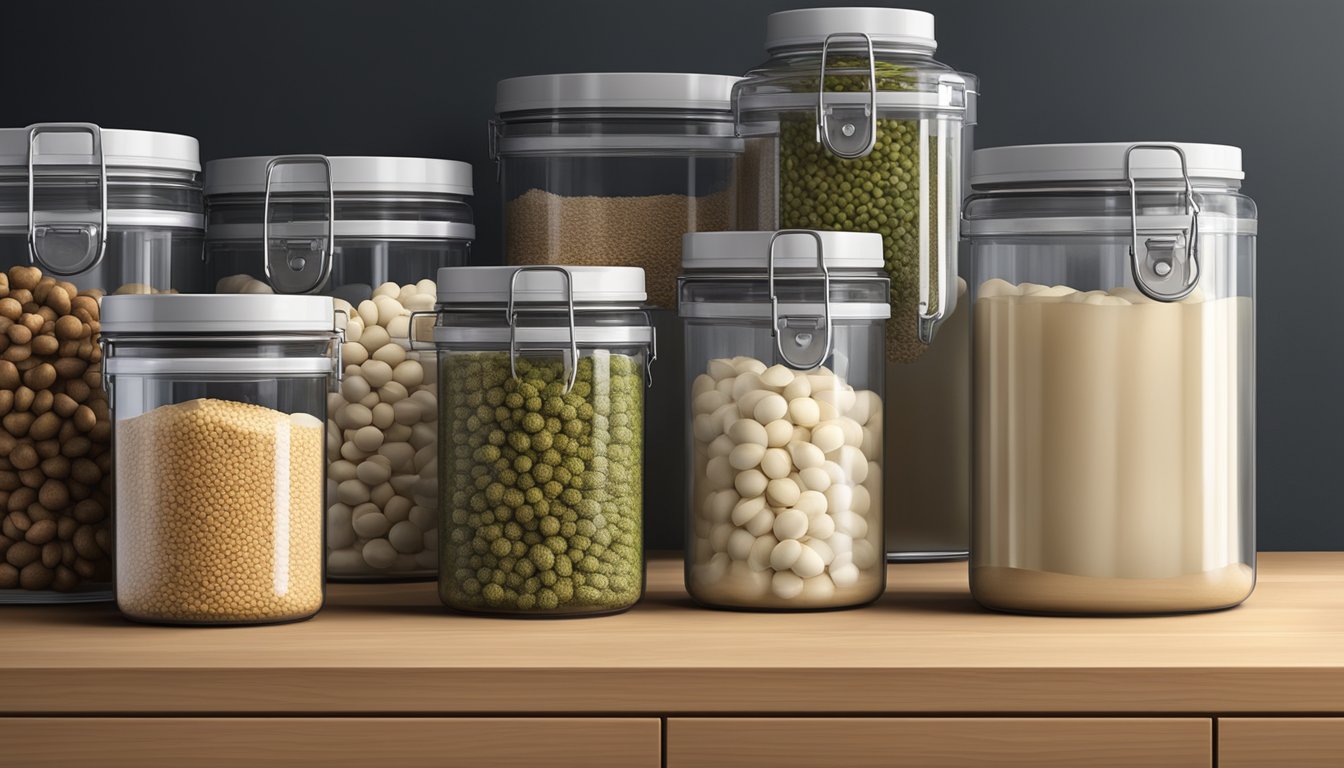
[300,266]
[802,331]
[1166,268]
[573,362]
[848,132]
[73,243]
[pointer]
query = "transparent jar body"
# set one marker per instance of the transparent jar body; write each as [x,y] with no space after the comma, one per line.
[220,482]
[908,189]
[785,463]
[1115,434]
[541,510]
[383,280]
[55,450]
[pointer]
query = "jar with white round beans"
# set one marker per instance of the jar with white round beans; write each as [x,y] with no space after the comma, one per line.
[397,221]
[784,335]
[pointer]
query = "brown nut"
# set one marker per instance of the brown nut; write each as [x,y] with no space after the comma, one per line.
[86,471]
[71,368]
[16,353]
[48,316]
[66,527]
[68,553]
[19,334]
[69,327]
[104,538]
[48,449]
[10,531]
[51,554]
[9,374]
[65,580]
[45,345]
[23,398]
[84,420]
[63,404]
[24,455]
[32,478]
[101,432]
[21,277]
[43,401]
[68,432]
[59,300]
[86,304]
[85,541]
[23,296]
[85,568]
[4,283]
[21,521]
[89,511]
[10,309]
[57,467]
[20,499]
[54,494]
[6,401]
[32,321]
[76,447]
[41,532]
[35,576]
[93,376]
[45,427]
[23,553]
[9,576]
[37,513]
[9,481]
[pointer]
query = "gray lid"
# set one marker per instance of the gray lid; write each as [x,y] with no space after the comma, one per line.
[217,314]
[794,249]
[1050,163]
[475,286]
[247,175]
[121,148]
[811,26]
[616,90]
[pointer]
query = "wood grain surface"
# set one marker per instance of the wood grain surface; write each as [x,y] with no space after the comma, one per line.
[924,648]
[1281,742]
[939,743]
[245,742]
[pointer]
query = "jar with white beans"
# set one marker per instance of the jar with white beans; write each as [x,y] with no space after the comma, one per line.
[784,339]
[372,232]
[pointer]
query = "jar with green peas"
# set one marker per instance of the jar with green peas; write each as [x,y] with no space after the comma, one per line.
[541,384]
[852,125]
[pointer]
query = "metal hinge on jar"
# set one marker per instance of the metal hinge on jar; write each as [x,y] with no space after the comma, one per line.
[302,265]
[796,331]
[1164,260]
[71,242]
[848,131]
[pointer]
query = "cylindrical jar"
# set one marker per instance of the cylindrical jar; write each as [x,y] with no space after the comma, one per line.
[1114,378]
[84,212]
[784,341]
[852,125]
[219,405]
[541,391]
[397,221]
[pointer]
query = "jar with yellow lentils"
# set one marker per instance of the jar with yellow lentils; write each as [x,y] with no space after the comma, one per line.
[219,408]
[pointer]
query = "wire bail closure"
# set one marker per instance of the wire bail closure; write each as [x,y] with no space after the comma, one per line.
[798,337]
[1160,263]
[288,275]
[90,237]
[853,142]
[512,317]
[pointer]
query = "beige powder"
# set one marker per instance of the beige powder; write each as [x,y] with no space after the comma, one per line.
[1110,449]
[219,513]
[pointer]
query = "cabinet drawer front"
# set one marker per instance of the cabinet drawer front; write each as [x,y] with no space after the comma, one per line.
[939,742]
[406,742]
[1283,742]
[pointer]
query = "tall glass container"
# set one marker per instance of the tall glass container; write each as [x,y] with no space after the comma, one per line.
[84,212]
[371,232]
[541,387]
[219,405]
[1114,362]
[784,420]
[851,124]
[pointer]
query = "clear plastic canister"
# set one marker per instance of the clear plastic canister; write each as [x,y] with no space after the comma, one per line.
[84,212]
[1114,378]
[852,125]
[541,390]
[220,410]
[373,233]
[784,335]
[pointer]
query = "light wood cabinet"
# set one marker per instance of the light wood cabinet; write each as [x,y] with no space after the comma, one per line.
[1281,742]
[939,742]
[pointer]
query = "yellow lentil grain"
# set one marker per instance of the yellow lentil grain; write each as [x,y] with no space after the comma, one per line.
[219,513]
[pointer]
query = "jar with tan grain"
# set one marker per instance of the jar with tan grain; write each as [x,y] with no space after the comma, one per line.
[220,407]
[84,212]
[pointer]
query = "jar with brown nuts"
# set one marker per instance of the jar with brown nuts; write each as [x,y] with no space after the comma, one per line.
[220,433]
[112,212]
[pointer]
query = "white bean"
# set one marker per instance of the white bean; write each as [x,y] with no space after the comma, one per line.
[740,543]
[786,585]
[809,563]
[778,433]
[785,554]
[746,509]
[782,493]
[749,483]
[775,463]
[771,407]
[749,431]
[790,524]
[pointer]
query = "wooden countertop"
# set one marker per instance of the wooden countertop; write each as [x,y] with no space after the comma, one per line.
[925,648]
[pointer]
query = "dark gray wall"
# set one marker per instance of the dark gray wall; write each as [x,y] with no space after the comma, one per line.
[404,77]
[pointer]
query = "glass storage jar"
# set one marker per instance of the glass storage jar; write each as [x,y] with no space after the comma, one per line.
[397,221]
[784,339]
[542,395]
[852,125]
[84,212]
[1114,378]
[611,169]
[220,405]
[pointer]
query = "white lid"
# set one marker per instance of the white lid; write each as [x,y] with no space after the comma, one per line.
[616,90]
[121,148]
[217,313]
[1101,162]
[591,285]
[811,26]
[247,175]
[751,250]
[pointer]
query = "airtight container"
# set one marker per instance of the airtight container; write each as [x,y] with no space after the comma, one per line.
[219,406]
[541,391]
[371,232]
[84,212]
[784,344]
[611,169]
[1113,289]
[852,125]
